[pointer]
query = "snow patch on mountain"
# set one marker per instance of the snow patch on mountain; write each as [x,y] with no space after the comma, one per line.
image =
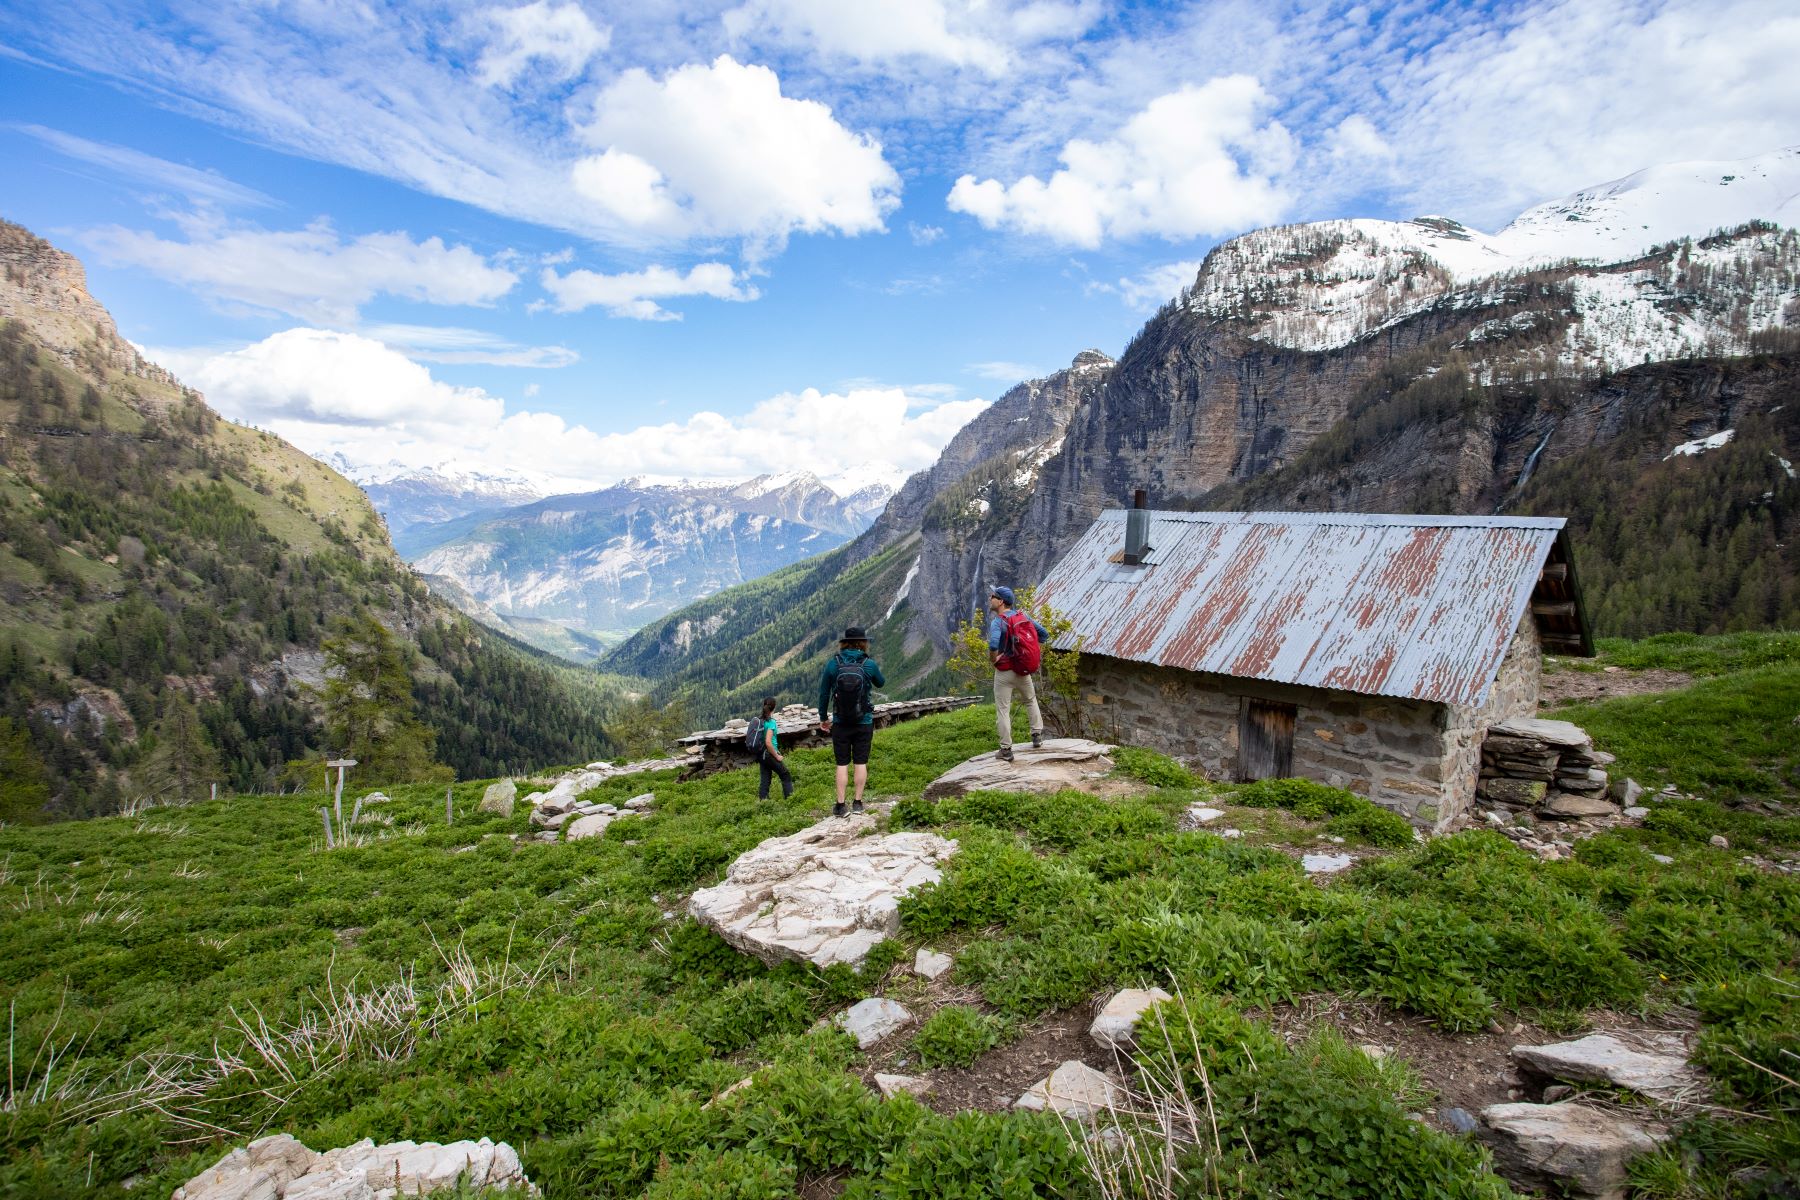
[1700,446]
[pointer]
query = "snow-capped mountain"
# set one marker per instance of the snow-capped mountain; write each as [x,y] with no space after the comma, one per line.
[1326,284]
[410,496]
[607,561]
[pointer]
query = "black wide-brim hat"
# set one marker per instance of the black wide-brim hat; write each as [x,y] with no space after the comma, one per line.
[854,634]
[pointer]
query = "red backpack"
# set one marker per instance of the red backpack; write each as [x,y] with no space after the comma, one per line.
[1019,649]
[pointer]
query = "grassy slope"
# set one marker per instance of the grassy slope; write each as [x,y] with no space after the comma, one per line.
[126,937]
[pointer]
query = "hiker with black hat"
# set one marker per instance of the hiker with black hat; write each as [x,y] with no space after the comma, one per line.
[1016,643]
[844,689]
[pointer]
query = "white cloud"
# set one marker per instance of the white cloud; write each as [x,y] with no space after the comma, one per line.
[924,235]
[452,344]
[1006,372]
[331,392]
[199,186]
[310,273]
[716,150]
[959,33]
[1151,289]
[560,36]
[1357,138]
[635,293]
[1195,162]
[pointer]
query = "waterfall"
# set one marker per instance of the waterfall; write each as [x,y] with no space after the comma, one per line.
[1531,459]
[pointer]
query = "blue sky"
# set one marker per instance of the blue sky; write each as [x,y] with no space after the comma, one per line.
[587,240]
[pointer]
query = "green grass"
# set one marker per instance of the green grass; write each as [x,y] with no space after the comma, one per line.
[1695,654]
[543,997]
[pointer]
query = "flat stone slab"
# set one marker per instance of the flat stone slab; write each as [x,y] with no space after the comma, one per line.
[1116,1026]
[1075,1090]
[1555,733]
[1198,815]
[931,964]
[1567,804]
[824,895]
[281,1168]
[639,803]
[897,1085]
[1563,1148]
[868,1021]
[1601,1058]
[590,826]
[1058,764]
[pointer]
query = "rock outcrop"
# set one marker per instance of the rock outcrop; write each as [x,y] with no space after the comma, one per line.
[1060,763]
[1074,1090]
[499,798]
[824,895]
[1602,1058]
[1565,1148]
[281,1168]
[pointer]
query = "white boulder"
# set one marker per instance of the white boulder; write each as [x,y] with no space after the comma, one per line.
[1075,1090]
[1116,1026]
[1325,864]
[824,895]
[868,1021]
[639,803]
[931,964]
[590,826]
[280,1168]
[1059,763]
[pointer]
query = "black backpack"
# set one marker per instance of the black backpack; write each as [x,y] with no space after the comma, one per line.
[852,690]
[753,736]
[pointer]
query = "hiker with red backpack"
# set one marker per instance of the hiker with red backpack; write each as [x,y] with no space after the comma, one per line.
[1017,645]
[845,689]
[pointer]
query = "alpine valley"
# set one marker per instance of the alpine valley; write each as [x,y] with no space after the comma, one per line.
[1628,356]
[170,584]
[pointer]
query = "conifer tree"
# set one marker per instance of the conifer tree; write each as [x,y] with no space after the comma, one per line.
[370,713]
[23,789]
[184,762]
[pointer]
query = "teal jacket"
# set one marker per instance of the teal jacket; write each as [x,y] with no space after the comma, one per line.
[828,681]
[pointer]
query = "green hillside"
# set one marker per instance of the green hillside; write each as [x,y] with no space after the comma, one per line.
[185,980]
[154,557]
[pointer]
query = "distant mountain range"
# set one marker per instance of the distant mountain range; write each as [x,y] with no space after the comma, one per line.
[1375,366]
[575,573]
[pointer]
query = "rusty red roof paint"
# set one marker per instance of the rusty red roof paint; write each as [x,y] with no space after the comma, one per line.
[1420,607]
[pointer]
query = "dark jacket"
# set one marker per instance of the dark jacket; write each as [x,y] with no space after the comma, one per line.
[828,681]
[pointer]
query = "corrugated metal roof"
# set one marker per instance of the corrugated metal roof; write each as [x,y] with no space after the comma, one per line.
[1422,607]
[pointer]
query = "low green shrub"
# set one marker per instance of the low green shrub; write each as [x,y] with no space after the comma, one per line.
[1307,799]
[731,1175]
[956,1035]
[1372,825]
[1151,767]
[975,1155]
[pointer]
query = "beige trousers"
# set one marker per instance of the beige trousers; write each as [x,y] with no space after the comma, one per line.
[1005,683]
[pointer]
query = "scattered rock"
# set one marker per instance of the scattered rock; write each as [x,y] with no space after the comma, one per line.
[931,964]
[1060,763]
[1572,806]
[1636,812]
[1662,858]
[498,798]
[1325,864]
[1231,833]
[1198,815]
[1459,1120]
[1718,839]
[1563,1147]
[590,826]
[825,895]
[639,803]
[1602,1058]
[1373,1051]
[1075,1090]
[281,1168]
[1116,1026]
[1557,1091]
[894,1085]
[1626,792]
[544,820]
[868,1021]
[378,798]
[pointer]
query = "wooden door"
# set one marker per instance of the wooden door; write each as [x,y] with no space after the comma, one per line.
[1265,740]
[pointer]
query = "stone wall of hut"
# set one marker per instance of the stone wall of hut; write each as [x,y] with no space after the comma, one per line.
[1417,757]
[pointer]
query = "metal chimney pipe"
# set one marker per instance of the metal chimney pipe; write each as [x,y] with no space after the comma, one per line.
[1137,529]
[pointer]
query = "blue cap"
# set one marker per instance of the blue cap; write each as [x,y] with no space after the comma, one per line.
[1005,594]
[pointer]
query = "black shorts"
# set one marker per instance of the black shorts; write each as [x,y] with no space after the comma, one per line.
[850,743]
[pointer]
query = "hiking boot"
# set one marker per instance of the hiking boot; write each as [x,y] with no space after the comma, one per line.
[856,807]
[837,810]
[1004,754]
[1037,739]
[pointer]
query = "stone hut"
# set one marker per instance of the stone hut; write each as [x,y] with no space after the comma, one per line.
[1368,652]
